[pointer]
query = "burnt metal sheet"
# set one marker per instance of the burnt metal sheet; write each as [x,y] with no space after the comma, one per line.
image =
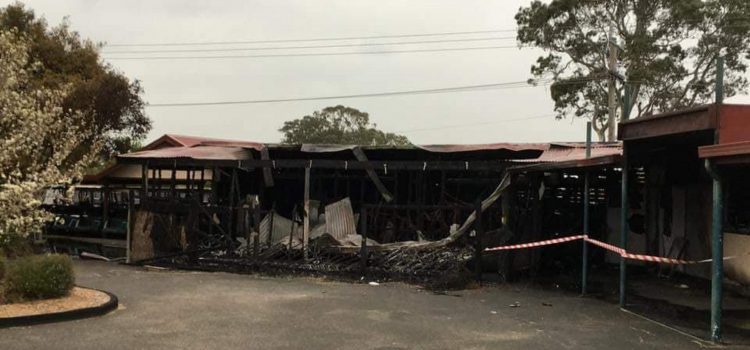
[196,152]
[282,227]
[340,220]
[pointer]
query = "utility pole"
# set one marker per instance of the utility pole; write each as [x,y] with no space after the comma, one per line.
[612,121]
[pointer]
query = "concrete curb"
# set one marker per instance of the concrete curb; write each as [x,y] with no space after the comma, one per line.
[70,315]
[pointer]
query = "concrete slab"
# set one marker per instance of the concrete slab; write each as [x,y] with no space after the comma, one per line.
[197,310]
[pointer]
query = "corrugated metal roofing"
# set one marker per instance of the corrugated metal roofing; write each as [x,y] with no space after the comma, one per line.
[340,219]
[172,140]
[565,152]
[571,156]
[207,148]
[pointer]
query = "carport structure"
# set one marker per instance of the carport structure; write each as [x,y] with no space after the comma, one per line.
[688,160]
[287,200]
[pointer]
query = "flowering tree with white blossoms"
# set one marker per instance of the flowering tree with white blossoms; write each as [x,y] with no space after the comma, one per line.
[37,145]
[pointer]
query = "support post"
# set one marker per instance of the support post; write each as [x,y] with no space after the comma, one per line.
[214,196]
[231,225]
[624,209]
[478,247]
[270,224]
[306,218]
[256,227]
[586,201]
[144,182]
[536,221]
[292,231]
[129,227]
[717,252]
[363,248]
[173,182]
[717,223]
[719,80]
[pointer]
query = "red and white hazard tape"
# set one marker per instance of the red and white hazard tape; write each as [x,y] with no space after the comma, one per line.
[536,244]
[606,246]
[659,259]
[617,250]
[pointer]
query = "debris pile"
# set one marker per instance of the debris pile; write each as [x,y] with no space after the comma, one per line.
[334,239]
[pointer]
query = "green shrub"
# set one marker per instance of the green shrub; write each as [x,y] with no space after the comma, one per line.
[2,268]
[13,246]
[39,277]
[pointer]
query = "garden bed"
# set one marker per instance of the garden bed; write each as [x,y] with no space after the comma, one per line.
[80,303]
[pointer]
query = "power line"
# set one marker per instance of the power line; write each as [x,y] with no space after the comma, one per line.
[310,46]
[197,43]
[466,88]
[313,54]
[506,85]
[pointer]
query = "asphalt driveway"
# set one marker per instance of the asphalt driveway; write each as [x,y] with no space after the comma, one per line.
[197,310]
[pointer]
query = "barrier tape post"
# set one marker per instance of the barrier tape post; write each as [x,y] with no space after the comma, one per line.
[479,236]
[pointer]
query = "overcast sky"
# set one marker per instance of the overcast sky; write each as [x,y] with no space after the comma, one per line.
[463,117]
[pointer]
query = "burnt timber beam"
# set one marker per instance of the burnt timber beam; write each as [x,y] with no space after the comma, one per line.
[250,164]
[267,173]
[360,155]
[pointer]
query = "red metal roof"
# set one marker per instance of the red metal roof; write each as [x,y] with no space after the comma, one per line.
[564,152]
[735,152]
[572,155]
[196,152]
[173,140]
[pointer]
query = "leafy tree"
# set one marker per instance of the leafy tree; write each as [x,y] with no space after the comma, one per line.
[39,141]
[668,51]
[105,98]
[338,125]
